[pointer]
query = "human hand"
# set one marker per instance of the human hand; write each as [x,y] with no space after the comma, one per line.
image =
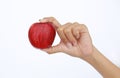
[75,39]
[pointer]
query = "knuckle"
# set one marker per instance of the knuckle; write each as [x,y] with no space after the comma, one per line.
[60,29]
[76,23]
[77,32]
[84,27]
[52,18]
[69,23]
[67,31]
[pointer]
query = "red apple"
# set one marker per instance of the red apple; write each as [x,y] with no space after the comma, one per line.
[41,35]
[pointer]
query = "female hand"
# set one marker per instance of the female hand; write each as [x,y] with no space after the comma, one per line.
[75,39]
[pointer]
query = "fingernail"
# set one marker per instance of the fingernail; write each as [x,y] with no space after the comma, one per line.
[77,36]
[69,45]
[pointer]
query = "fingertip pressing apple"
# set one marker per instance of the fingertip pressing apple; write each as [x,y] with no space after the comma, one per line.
[55,23]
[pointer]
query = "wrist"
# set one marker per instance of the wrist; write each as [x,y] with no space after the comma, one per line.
[91,56]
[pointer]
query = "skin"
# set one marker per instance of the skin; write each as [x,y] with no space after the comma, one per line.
[76,41]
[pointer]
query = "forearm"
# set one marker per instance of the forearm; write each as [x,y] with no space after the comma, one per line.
[106,68]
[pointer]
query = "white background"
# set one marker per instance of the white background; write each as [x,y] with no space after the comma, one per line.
[18,59]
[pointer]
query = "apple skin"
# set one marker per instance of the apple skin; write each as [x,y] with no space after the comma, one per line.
[41,35]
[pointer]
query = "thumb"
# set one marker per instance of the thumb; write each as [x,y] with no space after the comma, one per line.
[53,49]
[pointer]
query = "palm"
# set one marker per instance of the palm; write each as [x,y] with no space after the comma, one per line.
[83,47]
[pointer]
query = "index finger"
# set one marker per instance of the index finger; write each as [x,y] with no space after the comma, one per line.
[56,24]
